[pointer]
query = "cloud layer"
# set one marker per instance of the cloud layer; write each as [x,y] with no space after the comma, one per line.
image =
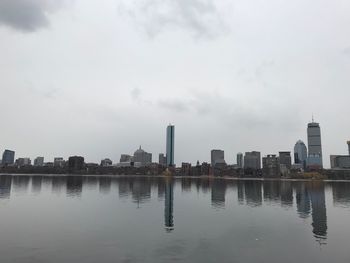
[203,18]
[27,15]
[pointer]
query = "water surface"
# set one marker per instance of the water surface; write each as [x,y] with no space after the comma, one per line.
[155,219]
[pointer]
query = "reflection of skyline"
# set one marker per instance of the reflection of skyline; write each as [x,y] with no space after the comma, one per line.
[309,196]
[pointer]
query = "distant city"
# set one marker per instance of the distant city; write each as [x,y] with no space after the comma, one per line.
[307,159]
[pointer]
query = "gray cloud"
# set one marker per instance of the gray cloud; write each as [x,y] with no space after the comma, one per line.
[201,17]
[27,15]
[176,105]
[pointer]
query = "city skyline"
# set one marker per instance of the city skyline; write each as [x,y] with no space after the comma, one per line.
[143,158]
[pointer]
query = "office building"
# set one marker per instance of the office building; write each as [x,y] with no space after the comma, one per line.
[76,163]
[106,162]
[252,160]
[240,160]
[285,159]
[8,157]
[271,166]
[162,159]
[58,162]
[39,161]
[300,153]
[23,161]
[125,158]
[348,142]
[314,160]
[142,157]
[217,157]
[170,144]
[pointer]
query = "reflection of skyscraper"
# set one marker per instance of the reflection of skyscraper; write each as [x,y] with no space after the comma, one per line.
[240,192]
[218,191]
[36,183]
[253,193]
[286,193]
[272,191]
[319,215]
[74,186]
[5,186]
[303,200]
[170,141]
[105,184]
[341,194]
[140,190]
[169,204]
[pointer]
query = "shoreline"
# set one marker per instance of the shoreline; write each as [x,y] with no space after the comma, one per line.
[207,177]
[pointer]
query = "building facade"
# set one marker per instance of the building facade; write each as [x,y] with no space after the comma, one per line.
[271,166]
[240,160]
[170,143]
[285,159]
[252,160]
[142,157]
[8,157]
[314,159]
[39,161]
[162,159]
[217,157]
[300,153]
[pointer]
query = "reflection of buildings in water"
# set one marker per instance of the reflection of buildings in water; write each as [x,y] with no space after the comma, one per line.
[303,200]
[218,192]
[36,184]
[20,183]
[90,182]
[5,186]
[186,184]
[169,204]
[286,193]
[272,191]
[124,187]
[74,186]
[240,192]
[161,189]
[105,184]
[319,215]
[140,190]
[341,194]
[205,185]
[253,192]
[58,183]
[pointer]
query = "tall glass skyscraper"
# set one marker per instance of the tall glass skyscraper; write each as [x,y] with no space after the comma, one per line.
[314,145]
[300,153]
[170,141]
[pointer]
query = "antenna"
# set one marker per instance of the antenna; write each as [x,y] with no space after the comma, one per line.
[312,117]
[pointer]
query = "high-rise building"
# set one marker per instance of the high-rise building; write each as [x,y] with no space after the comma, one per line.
[217,156]
[252,160]
[271,166]
[125,158]
[285,159]
[39,161]
[76,163]
[106,162]
[162,159]
[300,153]
[23,161]
[142,157]
[170,143]
[58,162]
[314,159]
[8,157]
[348,142]
[240,160]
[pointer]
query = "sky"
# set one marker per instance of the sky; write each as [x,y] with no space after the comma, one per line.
[100,78]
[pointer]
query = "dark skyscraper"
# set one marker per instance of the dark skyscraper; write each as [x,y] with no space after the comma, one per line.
[8,157]
[170,143]
[314,145]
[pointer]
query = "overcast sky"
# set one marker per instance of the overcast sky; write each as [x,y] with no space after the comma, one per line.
[99,78]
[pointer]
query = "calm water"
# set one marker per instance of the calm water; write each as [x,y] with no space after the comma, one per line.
[144,219]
